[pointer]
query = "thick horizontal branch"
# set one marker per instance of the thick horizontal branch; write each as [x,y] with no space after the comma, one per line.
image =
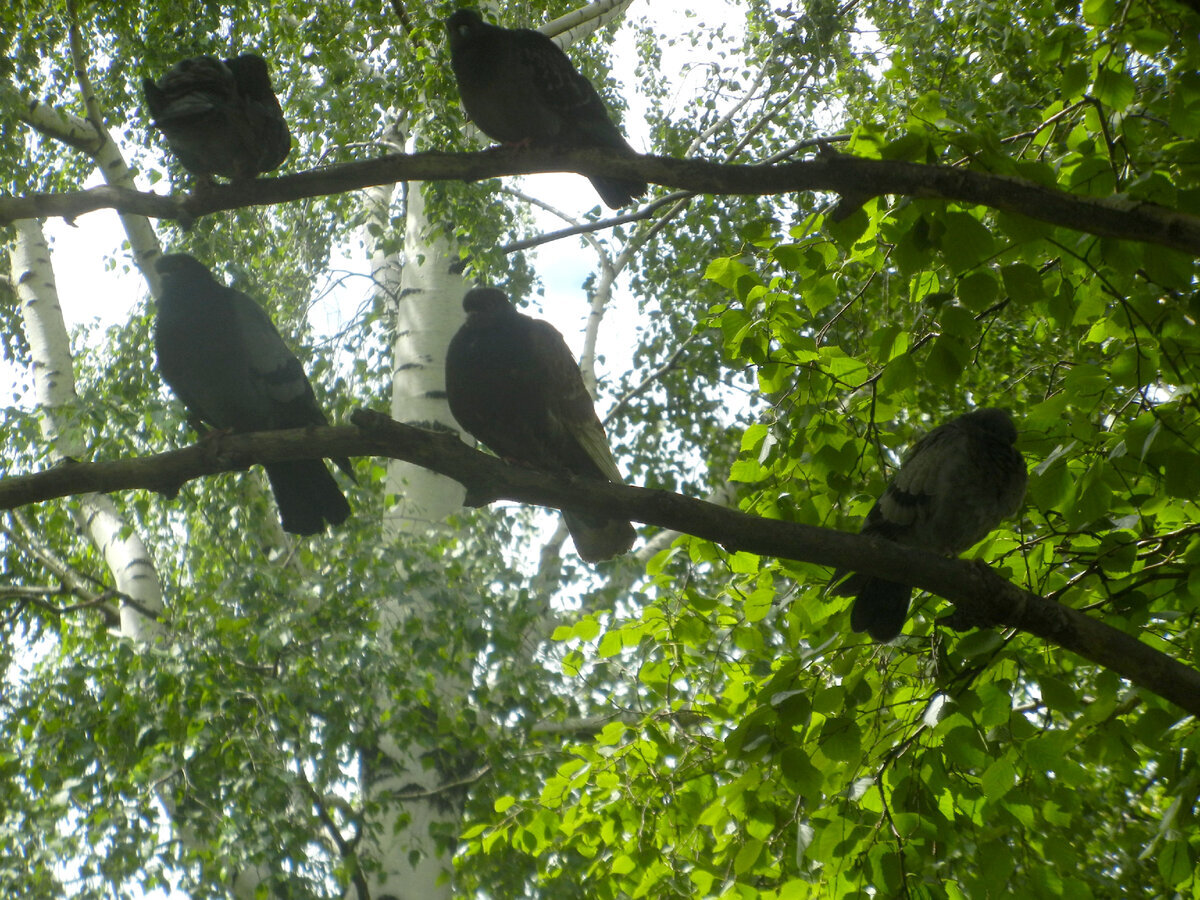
[981,595]
[1116,217]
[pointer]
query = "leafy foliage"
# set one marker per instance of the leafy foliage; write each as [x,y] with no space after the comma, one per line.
[700,724]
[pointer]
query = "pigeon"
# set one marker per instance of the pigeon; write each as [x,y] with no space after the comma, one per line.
[512,383]
[220,354]
[220,117]
[954,486]
[518,87]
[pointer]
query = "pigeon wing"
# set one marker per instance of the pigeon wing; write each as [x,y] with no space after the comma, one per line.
[913,493]
[584,445]
[278,378]
[578,108]
[554,78]
[191,88]
[268,130]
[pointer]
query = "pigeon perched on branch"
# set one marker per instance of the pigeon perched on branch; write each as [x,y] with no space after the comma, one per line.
[220,117]
[512,382]
[221,355]
[953,487]
[518,87]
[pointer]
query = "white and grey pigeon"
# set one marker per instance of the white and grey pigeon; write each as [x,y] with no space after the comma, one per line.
[220,354]
[220,117]
[955,485]
[518,87]
[512,382]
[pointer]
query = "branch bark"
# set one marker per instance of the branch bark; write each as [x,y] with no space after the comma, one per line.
[1117,216]
[982,595]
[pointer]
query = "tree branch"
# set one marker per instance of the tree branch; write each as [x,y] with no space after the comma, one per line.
[79,61]
[982,595]
[1117,216]
[72,130]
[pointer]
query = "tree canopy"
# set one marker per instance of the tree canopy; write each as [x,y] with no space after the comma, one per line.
[864,220]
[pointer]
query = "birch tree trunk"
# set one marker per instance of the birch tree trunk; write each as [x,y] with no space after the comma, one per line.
[425,295]
[54,385]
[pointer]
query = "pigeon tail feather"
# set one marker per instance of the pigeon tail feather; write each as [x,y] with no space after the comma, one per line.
[307,496]
[599,539]
[880,608]
[617,193]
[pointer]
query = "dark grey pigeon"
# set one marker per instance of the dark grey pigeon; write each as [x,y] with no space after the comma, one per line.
[512,382]
[518,87]
[220,117]
[957,484]
[221,355]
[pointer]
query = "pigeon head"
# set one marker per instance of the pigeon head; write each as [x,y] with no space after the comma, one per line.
[464,25]
[203,69]
[489,301]
[182,265]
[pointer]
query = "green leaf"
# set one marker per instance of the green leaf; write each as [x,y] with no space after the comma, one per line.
[914,250]
[623,864]
[1183,473]
[1114,88]
[900,373]
[1098,13]
[956,321]
[803,776]
[841,739]
[849,229]
[1022,283]
[998,779]
[792,257]
[982,642]
[1074,80]
[978,291]
[996,863]
[587,628]
[966,242]
[727,271]
[747,856]
[758,604]
[923,285]
[910,146]
[1058,695]
[1175,862]
[1170,268]
[610,644]
[945,362]
[1149,41]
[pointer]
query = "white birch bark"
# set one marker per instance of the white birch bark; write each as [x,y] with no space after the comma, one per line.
[54,387]
[425,298]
